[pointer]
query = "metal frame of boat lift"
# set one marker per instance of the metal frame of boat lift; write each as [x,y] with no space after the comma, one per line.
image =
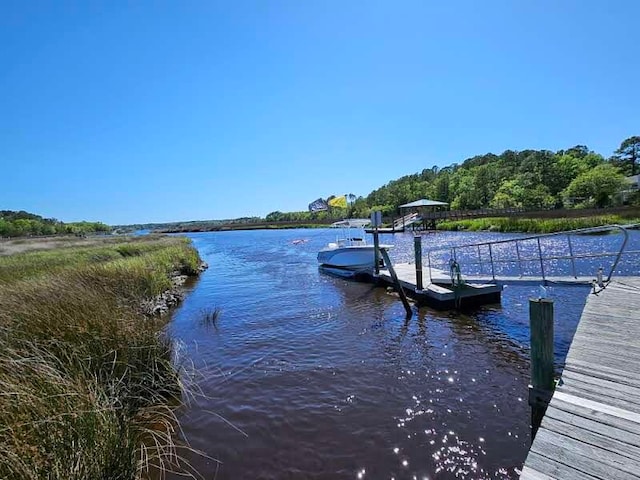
[539,258]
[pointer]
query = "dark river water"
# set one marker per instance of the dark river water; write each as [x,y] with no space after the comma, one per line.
[311,376]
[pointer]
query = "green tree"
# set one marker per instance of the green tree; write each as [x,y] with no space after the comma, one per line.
[510,194]
[465,196]
[522,192]
[596,187]
[578,151]
[441,187]
[626,157]
[528,178]
[5,227]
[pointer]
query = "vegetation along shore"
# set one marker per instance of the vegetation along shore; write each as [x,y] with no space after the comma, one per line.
[21,223]
[89,385]
[560,183]
[534,225]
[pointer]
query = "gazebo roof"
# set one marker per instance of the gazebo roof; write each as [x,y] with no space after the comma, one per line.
[424,203]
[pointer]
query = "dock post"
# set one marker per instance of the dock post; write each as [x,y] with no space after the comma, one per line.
[542,373]
[396,282]
[376,248]
[417,246]
[376,219]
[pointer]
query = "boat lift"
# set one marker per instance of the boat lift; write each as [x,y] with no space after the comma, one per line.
[475,273]
[553,258]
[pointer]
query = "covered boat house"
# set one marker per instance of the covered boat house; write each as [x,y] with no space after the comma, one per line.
[422,211]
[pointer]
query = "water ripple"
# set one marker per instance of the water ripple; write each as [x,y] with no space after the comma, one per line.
[309,376]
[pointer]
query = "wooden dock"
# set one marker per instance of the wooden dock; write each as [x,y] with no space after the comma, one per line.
[440,293]
[591,429]
[478,289]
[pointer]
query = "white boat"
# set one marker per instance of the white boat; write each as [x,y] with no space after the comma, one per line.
[350,254]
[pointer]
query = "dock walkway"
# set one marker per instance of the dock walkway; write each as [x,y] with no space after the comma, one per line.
[591,429]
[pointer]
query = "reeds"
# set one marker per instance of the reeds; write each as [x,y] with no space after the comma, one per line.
[209,317]
[88,388]
[531,225]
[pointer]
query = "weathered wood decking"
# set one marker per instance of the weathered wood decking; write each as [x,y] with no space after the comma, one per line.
[591,429]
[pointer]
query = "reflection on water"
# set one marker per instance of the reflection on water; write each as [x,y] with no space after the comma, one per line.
[309,376]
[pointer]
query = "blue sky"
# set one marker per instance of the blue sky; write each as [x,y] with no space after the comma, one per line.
[176,110]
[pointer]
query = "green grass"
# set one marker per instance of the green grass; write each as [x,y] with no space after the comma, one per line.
[533,225]
[88,386]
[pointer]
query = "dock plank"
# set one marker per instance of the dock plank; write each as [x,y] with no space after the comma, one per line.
[607,372]
[552,468]
[529,473]
[592,426]
[585,457]
[630,392]
[594,433]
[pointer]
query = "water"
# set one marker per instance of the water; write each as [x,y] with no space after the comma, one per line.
[310,376]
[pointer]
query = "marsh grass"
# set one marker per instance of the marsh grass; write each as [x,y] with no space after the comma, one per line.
[532,225]
[88,388]
[209,317]
[22,266]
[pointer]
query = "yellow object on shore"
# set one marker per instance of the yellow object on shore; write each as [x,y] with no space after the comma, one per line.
[340,202]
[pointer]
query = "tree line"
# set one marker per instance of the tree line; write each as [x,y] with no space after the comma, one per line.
[21,223]
[531,179]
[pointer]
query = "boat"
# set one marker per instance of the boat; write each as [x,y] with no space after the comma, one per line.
[350,255]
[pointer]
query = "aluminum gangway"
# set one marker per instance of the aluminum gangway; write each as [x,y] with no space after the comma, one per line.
[401,223]
[582,256]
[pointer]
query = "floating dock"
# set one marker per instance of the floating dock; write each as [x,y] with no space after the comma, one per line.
[591,428]
[441,293]
[432,282]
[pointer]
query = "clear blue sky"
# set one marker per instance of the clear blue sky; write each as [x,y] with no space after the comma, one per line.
[175,110]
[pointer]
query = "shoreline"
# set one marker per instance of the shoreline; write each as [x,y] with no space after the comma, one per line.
[247,226]
[168,300]
[533,225]
[520,224]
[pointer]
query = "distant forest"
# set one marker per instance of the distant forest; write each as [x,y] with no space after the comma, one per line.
[530,179]
[18,224]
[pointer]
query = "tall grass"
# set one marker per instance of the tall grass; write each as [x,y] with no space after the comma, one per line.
[532,225]
[87,385]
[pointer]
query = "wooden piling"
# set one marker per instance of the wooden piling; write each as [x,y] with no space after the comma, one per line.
[417,246]
[376,251]
[542,372]
[396,282]
[376,221]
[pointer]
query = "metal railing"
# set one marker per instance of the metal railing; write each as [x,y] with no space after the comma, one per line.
[464,214]
[522,252]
